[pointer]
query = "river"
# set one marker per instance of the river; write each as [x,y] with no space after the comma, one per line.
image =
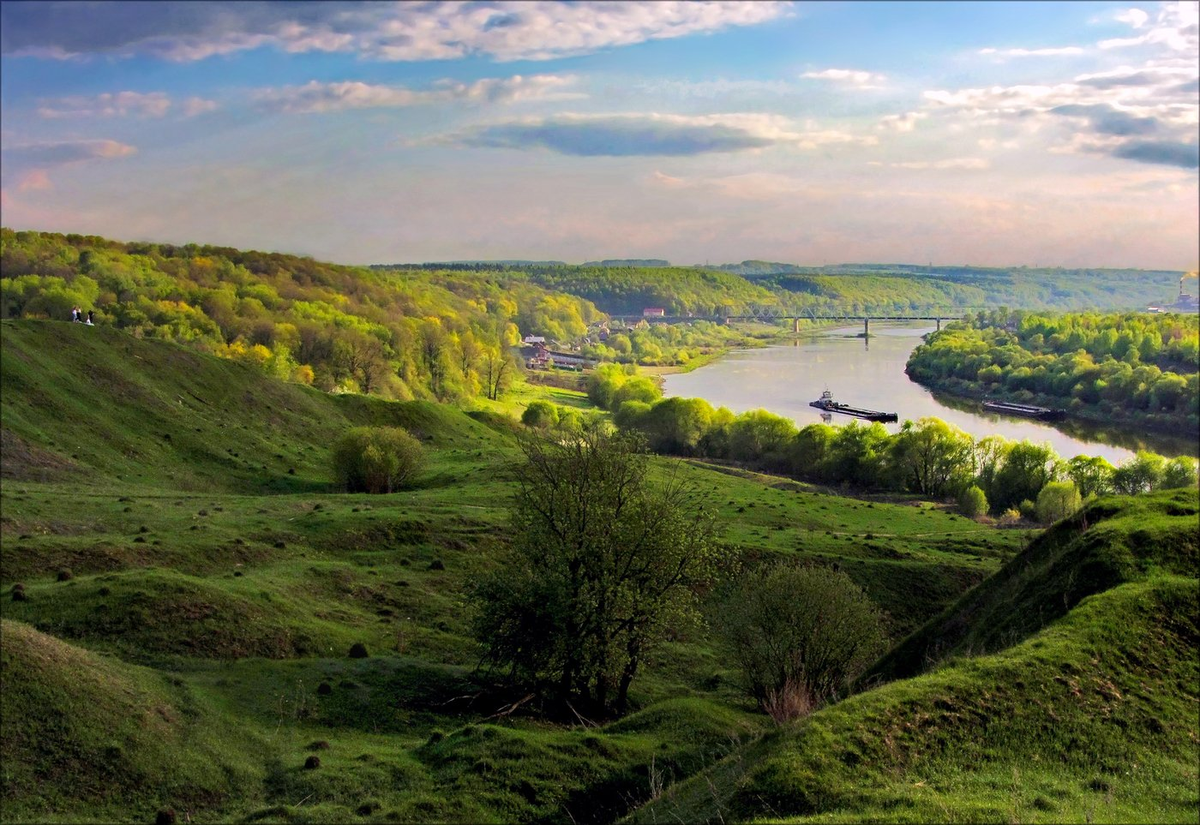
[870,373]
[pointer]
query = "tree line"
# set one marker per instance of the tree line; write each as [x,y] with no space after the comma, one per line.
[1132,366]
[929,457]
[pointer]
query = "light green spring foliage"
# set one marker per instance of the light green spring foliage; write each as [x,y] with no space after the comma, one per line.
[401,335]
[972,502]
[611,385]
[540,414]
[1057,500]
[377,460]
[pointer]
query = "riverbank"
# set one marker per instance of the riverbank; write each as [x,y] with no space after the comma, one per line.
[870,373]
[1180,435]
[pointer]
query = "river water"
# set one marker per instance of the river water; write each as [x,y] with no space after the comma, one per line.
[870,373]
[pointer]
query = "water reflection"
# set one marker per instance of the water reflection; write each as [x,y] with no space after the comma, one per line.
[869,372]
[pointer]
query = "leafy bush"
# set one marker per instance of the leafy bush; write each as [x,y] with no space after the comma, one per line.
[377,460]
[800,636]
[972,503]
[1057,500]
[595,581]
[540,414]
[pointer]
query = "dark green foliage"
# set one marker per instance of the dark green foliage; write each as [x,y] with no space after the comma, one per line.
[1090,717]
[1140,368]
[358,651]
[377,460]
[603,564]
[928,457]
[800,636]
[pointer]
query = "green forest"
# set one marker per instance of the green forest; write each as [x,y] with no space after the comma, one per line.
[784,288]
[438,335]
[1136,367]
[928,458]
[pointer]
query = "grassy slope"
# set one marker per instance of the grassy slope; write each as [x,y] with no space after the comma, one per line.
[213,579]
[1109,543]
[1091,717]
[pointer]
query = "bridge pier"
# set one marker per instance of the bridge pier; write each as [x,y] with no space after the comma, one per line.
[939,324]
[867,327]
[795,325]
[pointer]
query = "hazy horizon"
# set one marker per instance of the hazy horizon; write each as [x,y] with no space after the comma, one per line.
[982,134]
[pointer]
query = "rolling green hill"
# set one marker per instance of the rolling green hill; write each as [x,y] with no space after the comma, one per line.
[1083,705]
[187,606]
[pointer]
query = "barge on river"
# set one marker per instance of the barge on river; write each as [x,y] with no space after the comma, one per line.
[826,402]
[1027,410]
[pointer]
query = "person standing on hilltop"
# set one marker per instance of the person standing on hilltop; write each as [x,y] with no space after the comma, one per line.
[75,315]
[90,318]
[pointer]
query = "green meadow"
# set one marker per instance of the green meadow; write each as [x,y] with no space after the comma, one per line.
[192,584]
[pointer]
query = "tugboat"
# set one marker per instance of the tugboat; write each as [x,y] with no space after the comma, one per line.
[826,402]
[1027,410]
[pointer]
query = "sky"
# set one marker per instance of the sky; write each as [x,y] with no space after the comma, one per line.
[984,133]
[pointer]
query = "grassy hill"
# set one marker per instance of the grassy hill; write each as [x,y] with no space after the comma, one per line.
[1083,707]
[189,603]
[93,403]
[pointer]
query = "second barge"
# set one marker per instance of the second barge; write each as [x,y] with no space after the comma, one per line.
[826,402]
[1027,410]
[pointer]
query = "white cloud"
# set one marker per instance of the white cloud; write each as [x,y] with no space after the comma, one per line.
[68,151]
[29,163]
[850,77]
[949,163]
[721,87]
[118,104]
[394,31]
[1175,27]
[194,106]
[902,123]
[613,135]
[1134,17]
[334,97]
[1046,52]
[1146,113]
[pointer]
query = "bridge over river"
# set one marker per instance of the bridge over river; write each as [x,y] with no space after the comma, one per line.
[778,314]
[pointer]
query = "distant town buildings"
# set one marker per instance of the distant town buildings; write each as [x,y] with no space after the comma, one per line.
[538,356]
[654,312]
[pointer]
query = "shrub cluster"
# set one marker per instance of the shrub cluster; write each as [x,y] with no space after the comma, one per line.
[928,457]
[377,460]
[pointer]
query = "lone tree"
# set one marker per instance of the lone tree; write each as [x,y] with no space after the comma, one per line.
[800,636]
[377,460]
[604,563]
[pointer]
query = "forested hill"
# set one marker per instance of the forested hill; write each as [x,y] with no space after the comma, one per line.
[410,334]
[1136,367]
[622,288]
[626,287]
